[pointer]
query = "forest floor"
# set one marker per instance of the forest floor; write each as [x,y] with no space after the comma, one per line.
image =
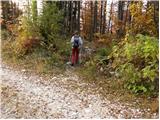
[25,94]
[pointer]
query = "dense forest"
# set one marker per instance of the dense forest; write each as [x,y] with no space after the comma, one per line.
[120,39]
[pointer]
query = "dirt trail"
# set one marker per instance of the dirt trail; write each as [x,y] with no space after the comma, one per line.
[26,95]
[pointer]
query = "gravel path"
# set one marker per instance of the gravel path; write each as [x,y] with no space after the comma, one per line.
[25,95]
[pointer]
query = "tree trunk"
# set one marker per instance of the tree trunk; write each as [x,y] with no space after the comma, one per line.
[156,15]
[92,22]
[95,17]
[120,10]
[79,7]
[71,17]
[74,16]
[68,16]
[109,23]
[101,17]
[104,18]
[65,17]
[126,17]
[120,17]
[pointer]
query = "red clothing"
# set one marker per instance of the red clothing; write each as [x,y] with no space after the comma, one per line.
[75,55]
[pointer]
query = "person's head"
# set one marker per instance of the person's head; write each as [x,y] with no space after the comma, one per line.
[76,32]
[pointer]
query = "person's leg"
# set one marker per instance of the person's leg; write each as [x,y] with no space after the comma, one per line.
[76,55]
[73,56]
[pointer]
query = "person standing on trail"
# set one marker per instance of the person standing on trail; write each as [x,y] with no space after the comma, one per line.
[76,42]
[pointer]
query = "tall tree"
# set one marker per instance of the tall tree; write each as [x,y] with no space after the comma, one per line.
[156,16]
[95,17]
[109,22]
[126,14]
[120,17]
[71,17]
[101,17]
[79,7]
[92,22]
[104,18]
[75,15]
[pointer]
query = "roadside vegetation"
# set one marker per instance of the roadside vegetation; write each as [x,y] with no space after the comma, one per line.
[128,59]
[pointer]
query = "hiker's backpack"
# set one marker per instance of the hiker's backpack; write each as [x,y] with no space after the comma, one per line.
[76,42]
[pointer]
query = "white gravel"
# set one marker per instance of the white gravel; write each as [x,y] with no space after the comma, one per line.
[24,95]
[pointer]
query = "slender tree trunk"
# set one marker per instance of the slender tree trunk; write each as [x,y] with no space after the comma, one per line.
[79,7]
[101,17]
[65,17]
[71,17]
[126,17]
[156,16]
[109,23]
[92,22]
[95,17]
[17,11]
[120,17]
[129,14]
[104,18]
[85,17]
[120,10]
[74,15]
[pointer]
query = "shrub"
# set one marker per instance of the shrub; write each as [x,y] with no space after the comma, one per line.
[104,51]
[5,34]
[136,59]
[28,37]
[101,55]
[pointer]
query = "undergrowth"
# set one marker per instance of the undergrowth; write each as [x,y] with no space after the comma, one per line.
[39,59]
[136,60]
